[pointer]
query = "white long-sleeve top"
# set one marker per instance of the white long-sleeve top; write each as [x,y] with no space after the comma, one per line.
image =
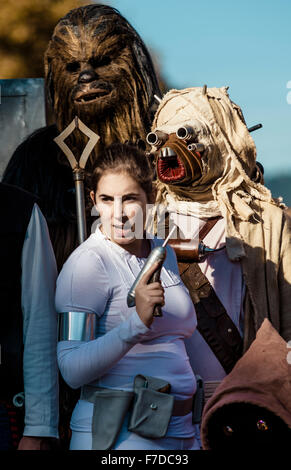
[39,273]
[96,279]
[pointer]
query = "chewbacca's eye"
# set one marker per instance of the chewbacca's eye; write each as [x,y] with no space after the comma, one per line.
[73,66]
[100,61]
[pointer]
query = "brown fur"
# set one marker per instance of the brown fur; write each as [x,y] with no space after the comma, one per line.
[99,40]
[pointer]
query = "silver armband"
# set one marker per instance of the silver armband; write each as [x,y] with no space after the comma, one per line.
[79,326]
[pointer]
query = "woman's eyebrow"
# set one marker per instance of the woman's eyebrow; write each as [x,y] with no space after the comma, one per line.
[130,194]
[105,195]
[124,195]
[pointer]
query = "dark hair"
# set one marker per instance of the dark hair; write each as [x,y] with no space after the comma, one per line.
[126,158]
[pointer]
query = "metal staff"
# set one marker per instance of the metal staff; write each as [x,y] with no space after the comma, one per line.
[78,169]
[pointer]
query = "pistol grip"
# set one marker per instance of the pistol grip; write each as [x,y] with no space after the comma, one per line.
[155,278]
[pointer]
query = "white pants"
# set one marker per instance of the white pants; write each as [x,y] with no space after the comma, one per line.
[83,441]
[127,440]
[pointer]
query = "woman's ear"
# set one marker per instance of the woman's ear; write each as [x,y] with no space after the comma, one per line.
[92,196]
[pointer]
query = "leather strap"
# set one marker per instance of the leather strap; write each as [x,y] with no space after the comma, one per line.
[209,389]
[214,324]
[183,266]
[182,407]
[207,227]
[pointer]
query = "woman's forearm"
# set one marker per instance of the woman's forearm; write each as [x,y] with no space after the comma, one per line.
[83,362]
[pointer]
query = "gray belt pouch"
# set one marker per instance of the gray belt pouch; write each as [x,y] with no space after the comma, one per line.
[152,408]
[110,408]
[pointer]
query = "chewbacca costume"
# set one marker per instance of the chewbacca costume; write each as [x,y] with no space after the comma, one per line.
[97,68]
[249,280]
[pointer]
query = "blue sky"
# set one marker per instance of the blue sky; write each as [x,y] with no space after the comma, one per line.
[243,44]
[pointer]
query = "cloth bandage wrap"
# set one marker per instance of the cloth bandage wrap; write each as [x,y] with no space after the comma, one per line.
[227,164]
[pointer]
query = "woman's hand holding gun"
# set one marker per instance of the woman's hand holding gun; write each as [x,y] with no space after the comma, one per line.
[148,295]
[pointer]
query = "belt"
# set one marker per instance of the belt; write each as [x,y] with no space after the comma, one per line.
[111,407]
[180,407]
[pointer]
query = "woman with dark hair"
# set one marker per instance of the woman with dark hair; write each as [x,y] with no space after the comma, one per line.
[109,349]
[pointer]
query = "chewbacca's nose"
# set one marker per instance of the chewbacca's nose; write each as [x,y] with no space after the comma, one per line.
[87,76]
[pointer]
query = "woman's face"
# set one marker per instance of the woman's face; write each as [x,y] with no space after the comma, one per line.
[121,202]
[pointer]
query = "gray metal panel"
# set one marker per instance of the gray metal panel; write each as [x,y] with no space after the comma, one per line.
[22,110]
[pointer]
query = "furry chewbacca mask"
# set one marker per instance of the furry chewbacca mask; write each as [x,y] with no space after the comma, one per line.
[98,68]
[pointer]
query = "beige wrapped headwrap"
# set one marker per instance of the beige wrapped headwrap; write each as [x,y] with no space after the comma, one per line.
[225,186]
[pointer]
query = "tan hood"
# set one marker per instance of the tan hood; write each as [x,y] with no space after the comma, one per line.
[262,377]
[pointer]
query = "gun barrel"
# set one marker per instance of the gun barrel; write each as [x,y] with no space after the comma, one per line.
[158,254]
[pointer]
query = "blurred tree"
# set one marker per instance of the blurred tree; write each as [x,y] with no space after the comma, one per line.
[25,29]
